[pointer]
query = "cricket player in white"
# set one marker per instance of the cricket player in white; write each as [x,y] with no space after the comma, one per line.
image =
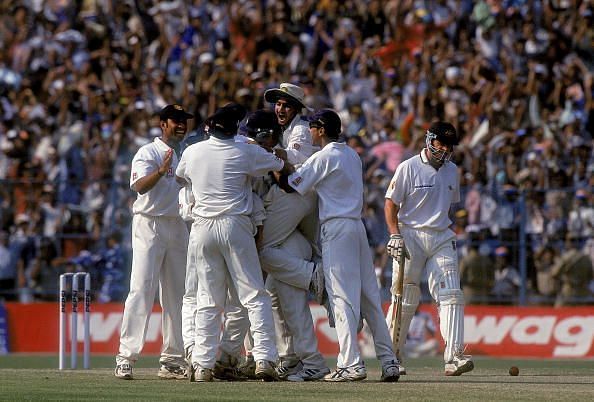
[288,282]
[223,240]
[417,215]
[236,323]
[296,141]
[159,247]
[287,261]
[285,254]
[335,173]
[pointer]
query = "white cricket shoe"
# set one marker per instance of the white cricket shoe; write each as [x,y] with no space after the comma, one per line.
[390,371]
[459,365]
[266,370]
[357,372]
[124,371]
[200,374]
[317,286]
[309,374]
[287,367]
[172,372]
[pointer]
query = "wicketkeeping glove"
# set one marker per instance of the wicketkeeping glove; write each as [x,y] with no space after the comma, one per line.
[396,246]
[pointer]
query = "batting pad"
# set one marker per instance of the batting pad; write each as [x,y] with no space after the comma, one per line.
[451,313]
[411,295]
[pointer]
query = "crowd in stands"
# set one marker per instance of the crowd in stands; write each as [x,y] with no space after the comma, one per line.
[81,83]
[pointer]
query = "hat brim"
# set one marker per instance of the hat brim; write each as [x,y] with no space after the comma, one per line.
[273,95]
[178,115]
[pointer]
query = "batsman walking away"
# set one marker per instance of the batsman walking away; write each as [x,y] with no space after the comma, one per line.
[417,207]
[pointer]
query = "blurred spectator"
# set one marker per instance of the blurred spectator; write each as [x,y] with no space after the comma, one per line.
[574,271]
[43,273]
[507,279]
[581,217]
[74,232]
[477,272]
[507,216]
[546,285]
[113,271]
[8,268]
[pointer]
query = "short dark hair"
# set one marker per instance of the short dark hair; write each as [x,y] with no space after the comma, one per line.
[226,119]
[329,120]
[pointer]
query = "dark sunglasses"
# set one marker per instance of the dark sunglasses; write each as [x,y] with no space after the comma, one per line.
[316,124]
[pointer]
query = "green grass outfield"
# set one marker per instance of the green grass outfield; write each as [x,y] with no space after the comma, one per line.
[27,377]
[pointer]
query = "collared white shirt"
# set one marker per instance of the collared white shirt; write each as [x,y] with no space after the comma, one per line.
[162,199]
[296,140]
[336,174]
[423,193]
[220,172]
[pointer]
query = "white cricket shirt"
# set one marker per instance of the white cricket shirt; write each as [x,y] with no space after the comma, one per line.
[423,193]
[336,174]
[162,199]
[220,172]
[296,140]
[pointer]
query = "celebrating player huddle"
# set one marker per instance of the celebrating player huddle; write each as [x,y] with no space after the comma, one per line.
[276,216]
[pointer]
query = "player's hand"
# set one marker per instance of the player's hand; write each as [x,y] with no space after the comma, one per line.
[396,247]
[166,163]
[280,153]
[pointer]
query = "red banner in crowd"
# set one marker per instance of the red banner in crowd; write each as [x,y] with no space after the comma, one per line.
[489,330]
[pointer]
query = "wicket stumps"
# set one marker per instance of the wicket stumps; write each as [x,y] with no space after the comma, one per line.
[74,319]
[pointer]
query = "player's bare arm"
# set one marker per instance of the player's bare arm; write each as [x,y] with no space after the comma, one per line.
[283,182]
[391,214]
[287,169]
[146,183]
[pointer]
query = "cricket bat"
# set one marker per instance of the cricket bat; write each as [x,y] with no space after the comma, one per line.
[397,290]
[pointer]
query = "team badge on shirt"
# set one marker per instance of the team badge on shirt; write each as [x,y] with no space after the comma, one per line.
[297,181]
[296,147]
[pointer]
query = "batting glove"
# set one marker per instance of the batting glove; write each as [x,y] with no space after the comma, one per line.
[396,246]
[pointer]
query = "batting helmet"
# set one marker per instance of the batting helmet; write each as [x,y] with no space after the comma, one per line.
[446,134]
[262,124]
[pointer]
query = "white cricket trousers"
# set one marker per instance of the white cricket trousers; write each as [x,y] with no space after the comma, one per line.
[435,252]
[352,289]
[236,318]
[284,212]
[159,247]
[227,263]
[294,311]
